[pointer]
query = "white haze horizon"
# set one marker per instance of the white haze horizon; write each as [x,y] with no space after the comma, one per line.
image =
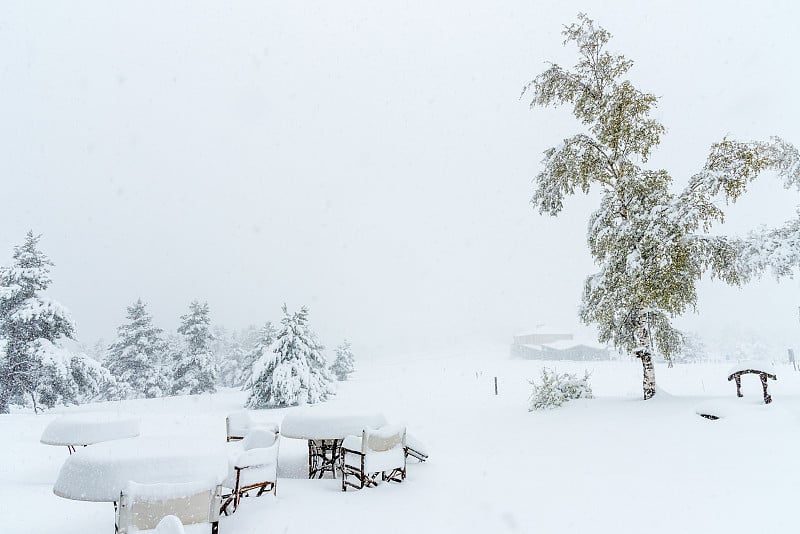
[372,161]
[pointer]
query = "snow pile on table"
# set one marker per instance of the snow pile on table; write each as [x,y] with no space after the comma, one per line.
[100,472]
[328,424]
[90,427]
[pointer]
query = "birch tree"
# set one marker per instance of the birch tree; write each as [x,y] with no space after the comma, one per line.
[651,245]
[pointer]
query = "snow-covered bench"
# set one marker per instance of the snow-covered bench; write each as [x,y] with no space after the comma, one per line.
[142,507]
[381,451]
[253,466]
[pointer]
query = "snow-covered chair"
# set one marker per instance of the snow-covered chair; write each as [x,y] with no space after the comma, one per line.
[416,449]
[253,466]
[142,507]
[381,451]
[238,424]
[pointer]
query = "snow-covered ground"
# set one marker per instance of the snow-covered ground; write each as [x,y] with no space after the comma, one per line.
[614,464]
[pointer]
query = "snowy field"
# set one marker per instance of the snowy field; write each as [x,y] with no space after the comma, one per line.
[614,464]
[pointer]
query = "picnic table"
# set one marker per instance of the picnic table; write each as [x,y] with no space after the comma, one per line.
[325,433]
[100,473]
[81,429]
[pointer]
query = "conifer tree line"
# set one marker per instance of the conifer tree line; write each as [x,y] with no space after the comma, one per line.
[42,363]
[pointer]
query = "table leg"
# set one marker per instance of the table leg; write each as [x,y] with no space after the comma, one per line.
[323,456]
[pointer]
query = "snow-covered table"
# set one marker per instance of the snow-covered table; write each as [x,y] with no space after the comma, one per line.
[81,429]
[325,432]
[100,473]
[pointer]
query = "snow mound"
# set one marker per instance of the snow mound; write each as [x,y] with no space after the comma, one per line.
[170,525]
[90,427]
[328,424]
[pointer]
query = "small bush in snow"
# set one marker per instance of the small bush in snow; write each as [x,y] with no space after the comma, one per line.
[344,364]
[555,389]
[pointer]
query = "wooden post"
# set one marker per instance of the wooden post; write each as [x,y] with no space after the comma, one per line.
[495,385]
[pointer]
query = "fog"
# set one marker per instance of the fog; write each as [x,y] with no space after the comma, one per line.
[370,160]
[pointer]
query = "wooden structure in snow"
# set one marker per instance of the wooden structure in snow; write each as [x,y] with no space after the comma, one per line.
[736,375]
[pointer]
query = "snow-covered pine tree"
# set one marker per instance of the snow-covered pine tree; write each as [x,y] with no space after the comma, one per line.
[344,363]
[30,324]
[195,370]
[136,358]
[262,348]
[651,245]
[321,382]
[295,372]
[67,376]
[227,356]
[229,364]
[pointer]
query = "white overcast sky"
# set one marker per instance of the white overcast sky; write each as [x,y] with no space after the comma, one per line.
[369,159]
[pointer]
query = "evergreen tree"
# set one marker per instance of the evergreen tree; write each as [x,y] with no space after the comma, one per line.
[227,356]
[230,365]
[29,325]
[68,377]
[136,358]
[195,370]
[295,372]
[344,363]
[651,244]
[262,348]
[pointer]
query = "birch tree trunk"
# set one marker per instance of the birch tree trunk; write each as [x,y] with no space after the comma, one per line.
[648,373]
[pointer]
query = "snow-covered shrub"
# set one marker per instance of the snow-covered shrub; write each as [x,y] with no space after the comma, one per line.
[557,388]
[67,377]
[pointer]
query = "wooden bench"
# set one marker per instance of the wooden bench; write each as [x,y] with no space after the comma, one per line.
[763,375]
